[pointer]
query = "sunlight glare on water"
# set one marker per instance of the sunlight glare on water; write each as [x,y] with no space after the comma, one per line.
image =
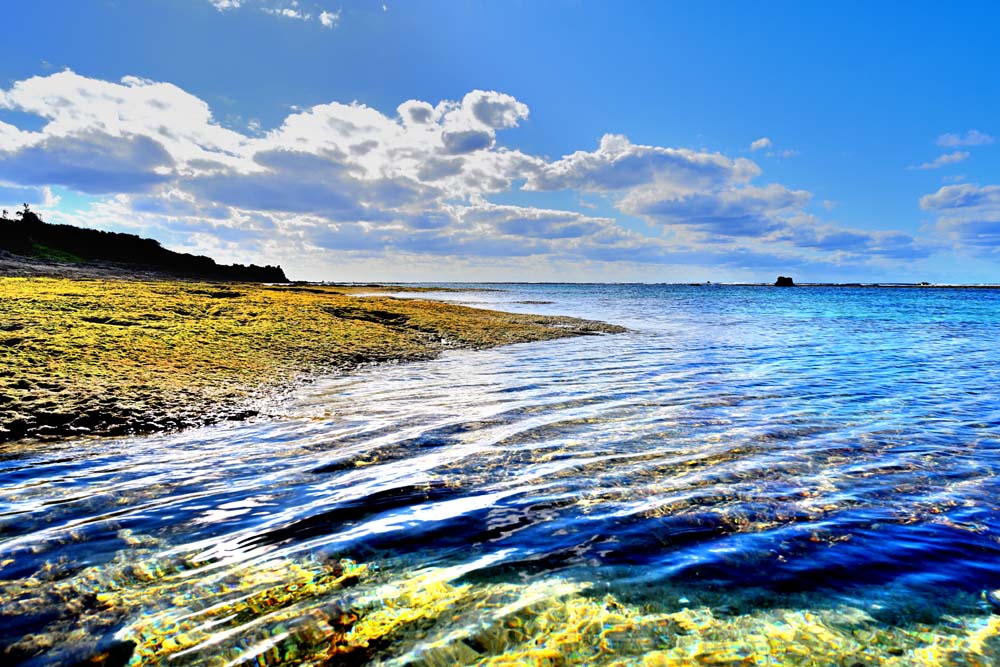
[750,476]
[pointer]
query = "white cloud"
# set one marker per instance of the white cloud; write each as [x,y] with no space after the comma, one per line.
[159,112]
[968,215]
[942,161]
[704,193]
[965,197]
[288,13]
[535,222]
[495,110]
[786,153]
[10,136]
[90,161]
[50,198]
[352,180]
[744,211]
[970,138]
[446,146]
[837,241]
[289,9]
[618,164]
[707,200]
[415,112]
[765,143]
[330,19]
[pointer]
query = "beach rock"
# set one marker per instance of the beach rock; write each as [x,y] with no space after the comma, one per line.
[54,418]
[18,427]
[784,281]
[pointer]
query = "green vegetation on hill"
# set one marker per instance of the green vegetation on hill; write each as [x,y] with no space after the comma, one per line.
[29,236]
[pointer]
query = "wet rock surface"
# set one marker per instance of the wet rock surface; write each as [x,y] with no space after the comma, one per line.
[84,357]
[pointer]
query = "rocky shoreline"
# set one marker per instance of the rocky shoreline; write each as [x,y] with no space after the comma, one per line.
[88,356]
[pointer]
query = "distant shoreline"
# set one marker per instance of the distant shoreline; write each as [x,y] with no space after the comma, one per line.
[861,285]
[448,286]
[12,265]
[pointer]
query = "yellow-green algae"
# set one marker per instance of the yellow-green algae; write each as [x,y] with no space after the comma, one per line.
[310,611]
[117,356]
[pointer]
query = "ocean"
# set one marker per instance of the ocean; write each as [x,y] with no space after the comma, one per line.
[750,476]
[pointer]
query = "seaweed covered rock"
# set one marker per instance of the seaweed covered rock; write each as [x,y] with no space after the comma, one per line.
[114,357]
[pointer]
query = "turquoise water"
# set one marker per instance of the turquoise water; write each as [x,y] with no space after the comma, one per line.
[750,476]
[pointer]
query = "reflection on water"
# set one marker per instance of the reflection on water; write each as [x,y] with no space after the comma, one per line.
[751,477]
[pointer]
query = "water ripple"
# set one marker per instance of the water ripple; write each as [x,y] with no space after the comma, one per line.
[740,444]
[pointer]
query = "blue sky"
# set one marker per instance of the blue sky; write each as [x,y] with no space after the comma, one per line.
[517,140]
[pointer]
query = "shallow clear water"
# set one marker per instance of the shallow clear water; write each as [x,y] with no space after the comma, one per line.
[750,476]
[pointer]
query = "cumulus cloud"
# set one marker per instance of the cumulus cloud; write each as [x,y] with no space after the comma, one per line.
[90,161]
[466,141]
[329,19]
[746,211]
[11,136]
[434,168]
[75,105]
[709,200]
[289,9]
[480,229]
[970,138]
[618,164]
[702,192]
[304,182]
[178,204]
[415,112]
[535,222]
[355,180]
[845,241]
[152,128]
[766,143]
[444,145]
[968,215]
[942,161]
[495,110]
[288,13]
[966,196]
